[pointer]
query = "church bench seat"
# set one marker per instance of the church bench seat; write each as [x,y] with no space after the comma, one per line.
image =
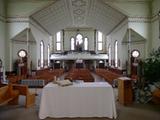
[8,95]
[23,90]
[107,75]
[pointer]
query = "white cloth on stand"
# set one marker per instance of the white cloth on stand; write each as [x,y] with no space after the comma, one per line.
[94,99]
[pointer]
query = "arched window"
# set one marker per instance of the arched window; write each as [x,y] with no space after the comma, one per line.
[48,51]
[58,41]
[109,53]
[41,54]
[85,43]
[72,44]
[99,40]
[116,53]
[79,39]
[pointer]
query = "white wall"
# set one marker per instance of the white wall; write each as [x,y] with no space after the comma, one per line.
[16,46]
[2,40]
[139,14]
[155,24]
[24,8]
[2,7]
[155,7]
[144,29]
[133,8]
[13,27]
[39,35]
[89,33]
[18,13]
[118,34]
[72,33]
[2,31]
[142,19]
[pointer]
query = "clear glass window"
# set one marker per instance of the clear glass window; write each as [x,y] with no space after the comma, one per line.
[72,44]
[48,51]
[116,53]
[109,52]
[99,41]
[58,41]
[100,46]
[42,54]
[85,43]
[58,46]
[79,39]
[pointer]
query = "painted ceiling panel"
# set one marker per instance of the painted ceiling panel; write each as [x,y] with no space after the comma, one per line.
[78,13]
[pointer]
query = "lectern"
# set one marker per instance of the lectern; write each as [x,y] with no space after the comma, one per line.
[125,93]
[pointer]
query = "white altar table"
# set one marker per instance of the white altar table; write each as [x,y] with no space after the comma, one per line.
[94,99]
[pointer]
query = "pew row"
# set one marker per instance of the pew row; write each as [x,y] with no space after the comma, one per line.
[107,75]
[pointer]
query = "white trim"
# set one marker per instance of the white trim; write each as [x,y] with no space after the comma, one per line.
[2,18]
[17,19]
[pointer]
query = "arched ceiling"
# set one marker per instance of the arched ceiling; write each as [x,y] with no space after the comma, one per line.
[63,14]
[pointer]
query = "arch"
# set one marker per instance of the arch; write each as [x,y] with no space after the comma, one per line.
[79,42]
[79,39]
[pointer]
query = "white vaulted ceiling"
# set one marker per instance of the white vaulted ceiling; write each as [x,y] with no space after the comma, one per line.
[80,14]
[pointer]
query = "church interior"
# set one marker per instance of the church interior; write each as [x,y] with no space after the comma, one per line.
[53,50]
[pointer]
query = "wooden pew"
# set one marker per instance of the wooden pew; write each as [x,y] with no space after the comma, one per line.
[15,78]
[47,74]
[107,75]
[23,90]
[8,95]
[156,96]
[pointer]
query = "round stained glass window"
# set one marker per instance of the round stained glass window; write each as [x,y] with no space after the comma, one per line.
[22,53]
[135,53]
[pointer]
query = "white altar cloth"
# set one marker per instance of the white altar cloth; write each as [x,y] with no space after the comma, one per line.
[94,99]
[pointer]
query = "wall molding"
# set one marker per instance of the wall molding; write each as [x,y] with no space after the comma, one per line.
[21,19]
[2,18]
[155,18]
[17,19]
[23,42]
[141,19]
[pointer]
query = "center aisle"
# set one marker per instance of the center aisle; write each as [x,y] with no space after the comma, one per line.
[97,78]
